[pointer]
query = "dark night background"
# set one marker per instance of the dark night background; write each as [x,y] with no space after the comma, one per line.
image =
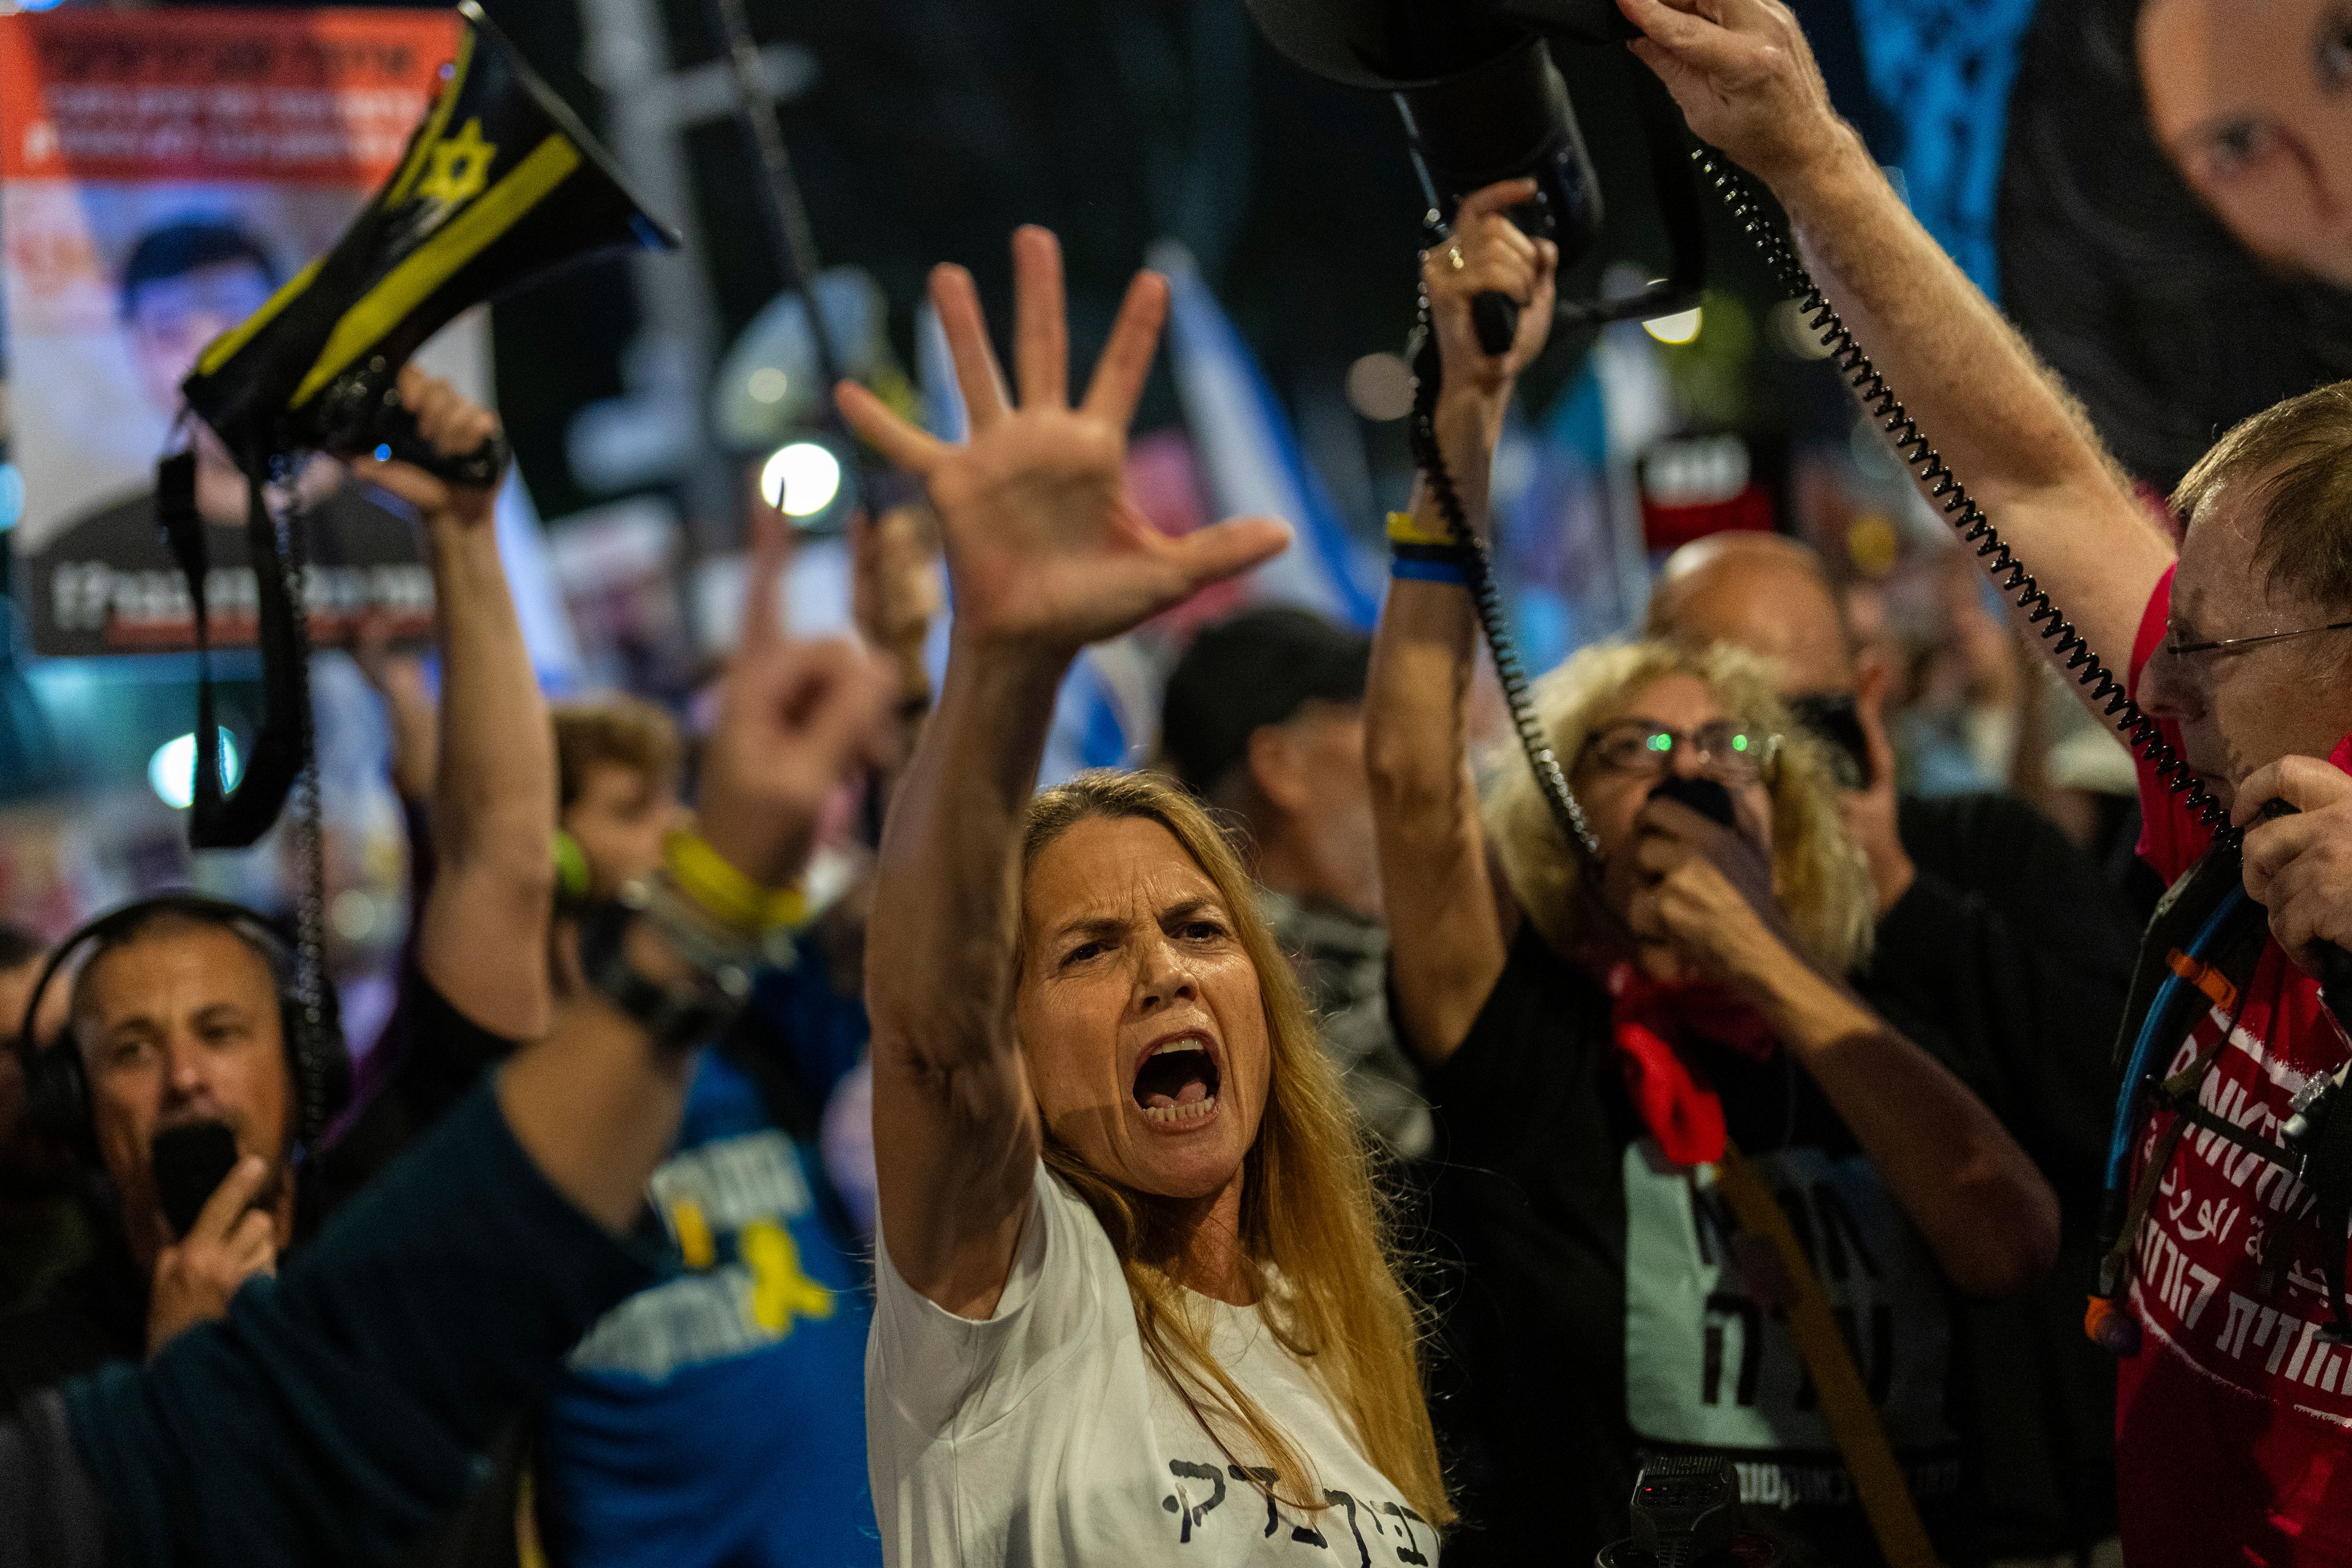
[936,126]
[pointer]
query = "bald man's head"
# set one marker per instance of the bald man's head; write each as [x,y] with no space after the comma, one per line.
[1764,592]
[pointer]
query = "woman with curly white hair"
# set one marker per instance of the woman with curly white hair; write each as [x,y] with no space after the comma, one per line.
[1634,1048]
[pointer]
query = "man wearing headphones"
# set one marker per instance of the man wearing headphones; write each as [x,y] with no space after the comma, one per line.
[177,1019]
[182,1015]
[342,1407]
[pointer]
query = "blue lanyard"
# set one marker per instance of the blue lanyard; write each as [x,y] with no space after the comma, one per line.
[2126,1125]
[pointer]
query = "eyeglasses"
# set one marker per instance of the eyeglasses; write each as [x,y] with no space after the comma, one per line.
[1728,750]
[2173,646]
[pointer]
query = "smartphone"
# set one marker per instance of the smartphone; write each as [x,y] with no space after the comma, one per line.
[191,1162]
[1704,795]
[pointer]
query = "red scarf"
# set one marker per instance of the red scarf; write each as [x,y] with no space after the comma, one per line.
[1652,1021]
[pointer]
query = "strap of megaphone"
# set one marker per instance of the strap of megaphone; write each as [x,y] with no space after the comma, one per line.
[183,534]
[1845,1401]
[217,820]
[280,748]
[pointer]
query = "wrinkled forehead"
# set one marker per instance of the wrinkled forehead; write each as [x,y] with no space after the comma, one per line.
[222,287]
[178,967]
[608,784]
[1106,870]
[2223,586]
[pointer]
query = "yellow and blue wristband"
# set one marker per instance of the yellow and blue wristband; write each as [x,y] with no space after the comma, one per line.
[1421,556]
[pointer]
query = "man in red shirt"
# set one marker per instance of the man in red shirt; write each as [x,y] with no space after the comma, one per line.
[2234,1419]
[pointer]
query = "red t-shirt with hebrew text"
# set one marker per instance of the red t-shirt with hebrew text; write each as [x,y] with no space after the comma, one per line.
[2234,1423]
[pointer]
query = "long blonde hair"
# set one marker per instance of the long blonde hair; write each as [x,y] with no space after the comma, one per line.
[1314,1230]
[1822,882]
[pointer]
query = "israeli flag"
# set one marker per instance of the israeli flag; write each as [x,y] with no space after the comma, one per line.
[547,631]
[944,411]
[1250,459]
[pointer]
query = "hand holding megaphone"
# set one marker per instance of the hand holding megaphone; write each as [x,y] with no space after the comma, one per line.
[434,466]
[1746,80]
[367,414]
[1485,261]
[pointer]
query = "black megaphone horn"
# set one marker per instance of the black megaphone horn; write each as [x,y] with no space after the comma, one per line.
[1481,101]
[498,186]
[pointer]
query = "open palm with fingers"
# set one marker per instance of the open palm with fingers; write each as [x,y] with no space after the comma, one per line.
[1045,548]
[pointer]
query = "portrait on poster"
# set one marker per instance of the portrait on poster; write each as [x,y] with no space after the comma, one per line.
[164,174]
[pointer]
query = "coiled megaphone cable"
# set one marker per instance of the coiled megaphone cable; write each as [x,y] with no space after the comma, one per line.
[1918,455]
[1494,621]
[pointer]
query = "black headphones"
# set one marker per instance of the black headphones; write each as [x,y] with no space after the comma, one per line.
[57,1092]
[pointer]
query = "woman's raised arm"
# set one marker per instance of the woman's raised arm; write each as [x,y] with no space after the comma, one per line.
[1045,553]
[1446,937]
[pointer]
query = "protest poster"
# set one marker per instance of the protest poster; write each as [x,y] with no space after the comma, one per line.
[161,173]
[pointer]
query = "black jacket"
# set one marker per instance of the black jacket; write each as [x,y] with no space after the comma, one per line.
[2009,959]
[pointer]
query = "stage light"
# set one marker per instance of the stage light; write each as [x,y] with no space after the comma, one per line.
[1682,327]
[768,385]
[800,480]
[172,771]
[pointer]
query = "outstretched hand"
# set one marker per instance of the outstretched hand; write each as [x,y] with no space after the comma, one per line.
[1046,552]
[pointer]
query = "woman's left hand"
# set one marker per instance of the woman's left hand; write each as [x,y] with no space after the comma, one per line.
[1486,253]
[1707,892]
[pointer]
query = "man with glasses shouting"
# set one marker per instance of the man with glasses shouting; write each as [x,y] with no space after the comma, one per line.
[2234,1394]
[1624,1039]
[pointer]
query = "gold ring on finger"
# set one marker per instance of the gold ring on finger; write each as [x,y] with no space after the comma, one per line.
[1453,257]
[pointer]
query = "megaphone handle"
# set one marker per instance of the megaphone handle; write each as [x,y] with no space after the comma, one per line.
[398,437]
[1496,317]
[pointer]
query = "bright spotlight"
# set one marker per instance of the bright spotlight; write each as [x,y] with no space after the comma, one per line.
[172,771]
[1679,328]
[800,480]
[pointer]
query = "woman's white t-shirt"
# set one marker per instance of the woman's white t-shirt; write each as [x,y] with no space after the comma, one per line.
[1043,1435]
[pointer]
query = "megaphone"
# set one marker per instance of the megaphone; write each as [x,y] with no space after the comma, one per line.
[1483,101]
[499,185]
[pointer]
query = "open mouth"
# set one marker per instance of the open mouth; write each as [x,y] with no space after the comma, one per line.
[1177,1083]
